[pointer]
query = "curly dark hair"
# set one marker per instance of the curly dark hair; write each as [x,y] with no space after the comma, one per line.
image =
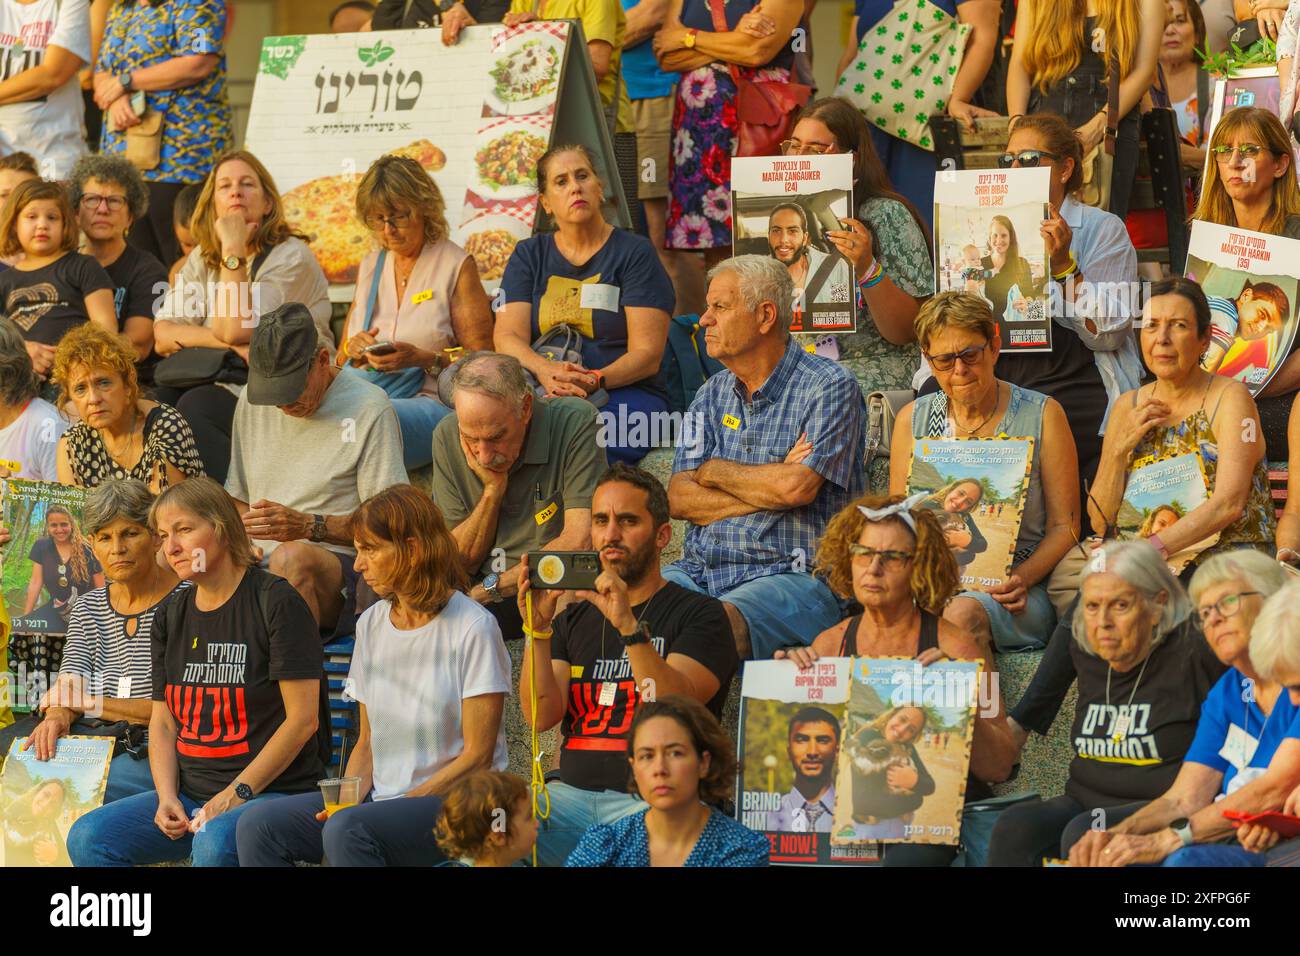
[470,810]
[707,736]
[109,169]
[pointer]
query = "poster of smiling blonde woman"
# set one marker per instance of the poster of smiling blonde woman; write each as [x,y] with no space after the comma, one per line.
[41,799]
[1249,279]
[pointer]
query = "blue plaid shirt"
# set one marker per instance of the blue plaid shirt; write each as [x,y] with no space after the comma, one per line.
[804,393]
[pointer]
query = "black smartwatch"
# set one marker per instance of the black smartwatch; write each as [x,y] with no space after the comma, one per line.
[640,636]
[243,791]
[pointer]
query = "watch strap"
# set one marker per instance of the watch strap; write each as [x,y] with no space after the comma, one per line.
[640,636]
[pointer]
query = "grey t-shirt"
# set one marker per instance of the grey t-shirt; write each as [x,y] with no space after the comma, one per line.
[350,449]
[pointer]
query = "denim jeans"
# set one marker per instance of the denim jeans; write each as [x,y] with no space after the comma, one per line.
[1215,854]
[123,833]
[573,812]
[127,777]
[418,417]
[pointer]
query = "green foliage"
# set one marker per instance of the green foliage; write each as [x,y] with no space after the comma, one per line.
[1228,62]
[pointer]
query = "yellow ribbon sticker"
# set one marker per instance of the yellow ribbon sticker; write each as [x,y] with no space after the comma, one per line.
[424,296]
[547,513]
[731,421]
[575,671]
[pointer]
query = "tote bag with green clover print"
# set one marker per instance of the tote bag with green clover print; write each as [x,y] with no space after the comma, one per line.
[905,68]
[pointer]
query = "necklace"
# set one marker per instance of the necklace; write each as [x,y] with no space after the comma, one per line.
[1122,721]
[997,402]
[130,440]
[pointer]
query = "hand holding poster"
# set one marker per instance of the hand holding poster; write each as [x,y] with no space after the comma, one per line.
[790,208]
[1249,279]
[905,752]
[977,489]
[48,564]
[987,240]
[41,799]
[1157,494]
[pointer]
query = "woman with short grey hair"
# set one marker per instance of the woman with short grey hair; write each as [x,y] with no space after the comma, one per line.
[105,677]
[1143,672]
[1245,756]
[30,427]
[109,197]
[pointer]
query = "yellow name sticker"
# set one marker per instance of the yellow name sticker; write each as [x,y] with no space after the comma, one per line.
[810,348]
[575,672]
[731,421]
[424,296]
[547,513]
[13,467]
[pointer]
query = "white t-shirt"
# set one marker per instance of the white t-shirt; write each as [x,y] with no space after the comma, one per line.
[50,128]
[413,682]
[31,441]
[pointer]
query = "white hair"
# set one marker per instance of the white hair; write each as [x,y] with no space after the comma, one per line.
[1245,566]
[1275,636]
[761,279]
[1141,566]
[491,373]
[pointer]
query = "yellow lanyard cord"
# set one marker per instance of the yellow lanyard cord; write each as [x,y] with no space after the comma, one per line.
[538,786]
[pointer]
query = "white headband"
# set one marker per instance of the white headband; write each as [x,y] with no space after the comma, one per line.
[900,509]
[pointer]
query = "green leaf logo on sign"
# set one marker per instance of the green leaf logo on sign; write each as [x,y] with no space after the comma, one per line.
[280,55]
[378,53]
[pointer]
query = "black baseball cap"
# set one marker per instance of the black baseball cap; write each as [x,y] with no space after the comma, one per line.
[284,345]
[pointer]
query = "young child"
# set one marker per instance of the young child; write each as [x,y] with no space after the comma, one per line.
[182,213]
[54,288]
[487,820]
[15,169]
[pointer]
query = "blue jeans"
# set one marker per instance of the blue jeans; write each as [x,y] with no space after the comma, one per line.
[629,427]
[396,832]
[418,417]
[1215,854]
[127,777]
[779,609]
[573,811]
[123,833]
[1026,631]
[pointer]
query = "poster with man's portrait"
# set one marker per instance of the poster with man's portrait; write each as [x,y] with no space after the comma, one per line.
[977,489]
[1249,279]
[791,731]
[907,737]
[784,207]
[988,240]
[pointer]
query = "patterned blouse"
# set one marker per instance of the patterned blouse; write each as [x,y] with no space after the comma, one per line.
[167,439]
[722,842]
[196,119]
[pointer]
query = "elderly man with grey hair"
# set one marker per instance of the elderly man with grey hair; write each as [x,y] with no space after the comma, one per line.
[779,450]
[512,474]
[105,675]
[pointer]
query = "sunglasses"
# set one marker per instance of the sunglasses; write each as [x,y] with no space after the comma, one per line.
[969,356]
[1026,157]
[1247,151]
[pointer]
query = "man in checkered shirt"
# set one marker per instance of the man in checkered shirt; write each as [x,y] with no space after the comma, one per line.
[775,448]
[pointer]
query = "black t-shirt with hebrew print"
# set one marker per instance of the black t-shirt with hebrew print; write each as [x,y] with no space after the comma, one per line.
[218,675]
[603,695]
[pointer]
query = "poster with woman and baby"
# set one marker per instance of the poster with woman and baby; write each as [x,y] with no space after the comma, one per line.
[41,799]
[988,240]
[977,490]
[1249,279]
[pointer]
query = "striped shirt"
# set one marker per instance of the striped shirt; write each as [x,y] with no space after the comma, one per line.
[99,649]
[805,394]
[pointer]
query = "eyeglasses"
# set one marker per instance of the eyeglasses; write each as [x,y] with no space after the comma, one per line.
[399,221]
[92,201]
[792,147]
[1247,150]
[892,560]
[968,356]
[1226,606]
[1026,157]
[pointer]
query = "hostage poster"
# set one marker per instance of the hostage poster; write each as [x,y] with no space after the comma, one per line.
[791,731]
[782,207]
[987,241]
[906,751]
[1249,279]
[41,799]
[976,488]
[1158,493]
[48,563]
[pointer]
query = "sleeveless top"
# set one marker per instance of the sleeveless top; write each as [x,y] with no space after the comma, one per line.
[1257,525]
[929,634]
[1023,419]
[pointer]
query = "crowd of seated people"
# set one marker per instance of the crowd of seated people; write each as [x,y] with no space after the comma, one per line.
[260,485]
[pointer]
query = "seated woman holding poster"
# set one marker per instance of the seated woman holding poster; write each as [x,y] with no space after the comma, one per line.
[104,676]
[889,554]
[1252,185]
[959,338]
[683,765]
[248,262]
[1186,411]
[234,721]
[601,282]
[400,341]
[1245,757]
[1143,671]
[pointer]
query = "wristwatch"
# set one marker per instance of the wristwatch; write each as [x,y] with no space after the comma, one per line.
[243,791]
[688,41]
[490,586]
[232,262]
[317,528]
[124,80]
[1183,827]
[640,636]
